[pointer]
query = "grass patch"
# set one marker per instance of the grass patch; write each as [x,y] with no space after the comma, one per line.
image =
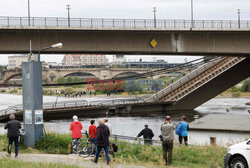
[183,156]
[11,163]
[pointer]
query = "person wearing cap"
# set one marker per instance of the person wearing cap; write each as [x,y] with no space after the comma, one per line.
[167,130]
[182,130]
[102,138]
[76,128]
[147,134]
[13,133]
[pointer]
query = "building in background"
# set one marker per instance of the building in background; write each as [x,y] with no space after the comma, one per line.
[16,61]
[86,59]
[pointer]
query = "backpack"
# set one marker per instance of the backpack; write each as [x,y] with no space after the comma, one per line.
[178,130]
[115,147]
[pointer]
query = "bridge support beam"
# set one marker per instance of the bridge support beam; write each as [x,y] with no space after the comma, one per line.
[32,102]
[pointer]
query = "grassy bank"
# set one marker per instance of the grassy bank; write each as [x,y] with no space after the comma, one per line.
[191,156]
[15,163]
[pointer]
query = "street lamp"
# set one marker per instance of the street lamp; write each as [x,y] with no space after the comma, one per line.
[33,99]
[238,12]
[154,10]
[68,8]
[58,45]
[192,14]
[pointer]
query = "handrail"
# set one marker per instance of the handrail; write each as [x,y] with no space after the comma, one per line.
[76,103]
[184,79]
[130,138]
[104,23]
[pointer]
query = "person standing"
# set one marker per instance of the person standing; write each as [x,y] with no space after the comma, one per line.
[13,133]
[105,120]
[147,134]
[102,138]
[92,135]
[167,130]
[182,130]
[76,128]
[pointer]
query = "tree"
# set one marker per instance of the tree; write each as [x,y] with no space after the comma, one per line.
[246,86]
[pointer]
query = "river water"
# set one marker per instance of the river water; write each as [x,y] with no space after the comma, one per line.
[131,126]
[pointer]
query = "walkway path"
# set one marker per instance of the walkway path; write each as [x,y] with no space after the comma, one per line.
[69,160]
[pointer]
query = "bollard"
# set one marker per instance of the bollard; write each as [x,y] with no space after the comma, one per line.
[116,139]
[212,141]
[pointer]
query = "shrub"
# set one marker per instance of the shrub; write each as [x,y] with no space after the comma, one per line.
[235,94]
[13,91]
[54,143]
[246,86]
[3,90]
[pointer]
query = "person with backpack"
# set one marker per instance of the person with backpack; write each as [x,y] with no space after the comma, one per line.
[147,134]
[167,130]
[76,128]
[13,133]
[102,138]
[182,130]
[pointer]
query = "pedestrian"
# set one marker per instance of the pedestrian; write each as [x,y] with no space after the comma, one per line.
[13,133]
[105,120]
[147,134]
[92,135]
[182,130]
[167,131]
[76,128]
[102,138]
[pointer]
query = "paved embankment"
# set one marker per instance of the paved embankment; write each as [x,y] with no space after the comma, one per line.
[68,160]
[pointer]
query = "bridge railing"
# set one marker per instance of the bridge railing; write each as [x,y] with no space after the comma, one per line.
[76,103]
[121,23]
[183,80]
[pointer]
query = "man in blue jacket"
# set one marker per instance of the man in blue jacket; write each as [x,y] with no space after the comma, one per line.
[182,129]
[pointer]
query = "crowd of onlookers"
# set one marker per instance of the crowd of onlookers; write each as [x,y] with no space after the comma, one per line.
[99,136]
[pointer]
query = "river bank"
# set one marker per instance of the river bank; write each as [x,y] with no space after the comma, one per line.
[52,91]
[133,153]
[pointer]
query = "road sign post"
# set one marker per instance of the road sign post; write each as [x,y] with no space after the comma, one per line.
[32,102]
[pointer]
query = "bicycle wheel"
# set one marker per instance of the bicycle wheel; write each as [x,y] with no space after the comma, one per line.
[85,148]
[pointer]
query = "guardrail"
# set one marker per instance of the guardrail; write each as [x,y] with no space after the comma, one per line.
[77,103]
[130,138]
[122,23]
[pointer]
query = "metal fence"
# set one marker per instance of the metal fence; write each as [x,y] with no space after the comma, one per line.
[105,23]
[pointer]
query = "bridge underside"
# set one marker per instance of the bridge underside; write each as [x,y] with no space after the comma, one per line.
[214,87]
[168,42]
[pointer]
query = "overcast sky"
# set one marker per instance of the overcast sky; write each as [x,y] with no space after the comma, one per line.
[166,9]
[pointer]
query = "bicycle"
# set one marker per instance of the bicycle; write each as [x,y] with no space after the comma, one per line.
[86,146]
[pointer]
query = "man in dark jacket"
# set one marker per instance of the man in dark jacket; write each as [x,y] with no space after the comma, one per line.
[13,133]
[102,138]
[147,134]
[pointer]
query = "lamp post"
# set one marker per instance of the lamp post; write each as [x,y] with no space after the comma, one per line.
[68,8]
[33,99]
[154,10]
[29,12]
[192,14]
[58,45]
[238,12]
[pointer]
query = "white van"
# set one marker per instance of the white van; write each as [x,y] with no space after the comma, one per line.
[238,156]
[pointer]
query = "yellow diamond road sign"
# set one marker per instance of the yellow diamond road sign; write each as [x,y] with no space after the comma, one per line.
[153,43]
